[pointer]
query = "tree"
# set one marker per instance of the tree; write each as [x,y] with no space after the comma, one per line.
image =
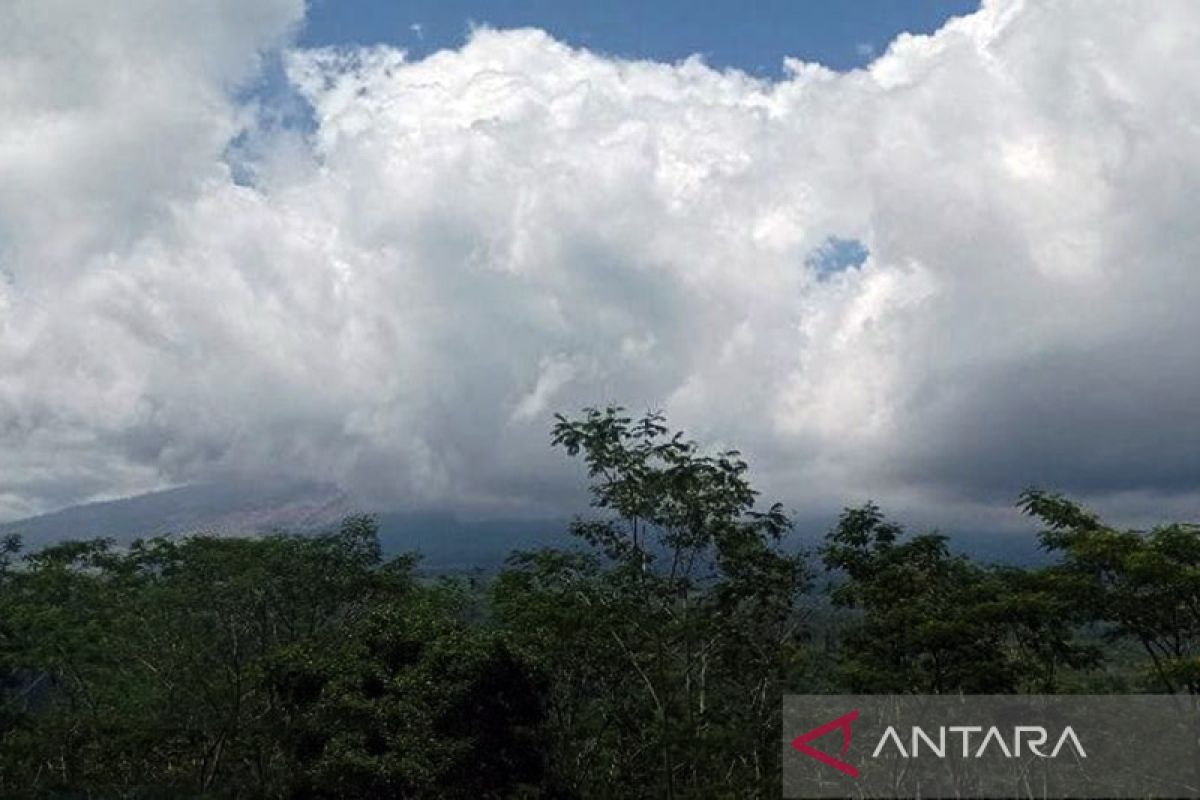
[686,609]
[1138,585]
[414,702]
[279,666]
[934,622]
[13,683]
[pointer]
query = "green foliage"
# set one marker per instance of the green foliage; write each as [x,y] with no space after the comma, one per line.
[933,622]
[1144,586]
[686,609]
[255,667]
[647,661]
[11,679]
[413,702]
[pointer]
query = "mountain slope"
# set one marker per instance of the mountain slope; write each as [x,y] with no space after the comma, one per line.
[444,541]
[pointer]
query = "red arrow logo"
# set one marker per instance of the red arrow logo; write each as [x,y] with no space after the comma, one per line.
[801,743]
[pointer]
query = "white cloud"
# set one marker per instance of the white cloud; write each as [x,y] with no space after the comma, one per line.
[467,243]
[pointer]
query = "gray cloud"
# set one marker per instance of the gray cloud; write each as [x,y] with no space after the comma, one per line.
[398,299]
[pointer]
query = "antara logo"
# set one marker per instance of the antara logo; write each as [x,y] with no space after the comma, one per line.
[1024,738]
[843,722]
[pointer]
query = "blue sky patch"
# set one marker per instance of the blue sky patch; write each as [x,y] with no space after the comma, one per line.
[837,255]
[754,38]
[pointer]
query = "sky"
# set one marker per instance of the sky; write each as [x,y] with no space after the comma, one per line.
[839,35]
[888,252]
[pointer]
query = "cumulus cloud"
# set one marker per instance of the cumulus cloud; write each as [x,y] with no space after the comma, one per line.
[398,297]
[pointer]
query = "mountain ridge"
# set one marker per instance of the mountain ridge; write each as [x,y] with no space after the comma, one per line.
[445,541]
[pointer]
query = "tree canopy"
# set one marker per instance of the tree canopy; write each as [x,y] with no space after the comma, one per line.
[647,659]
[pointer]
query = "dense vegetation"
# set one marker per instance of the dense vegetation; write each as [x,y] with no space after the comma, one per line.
[648,661]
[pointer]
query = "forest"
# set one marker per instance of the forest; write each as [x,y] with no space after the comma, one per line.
[647,660]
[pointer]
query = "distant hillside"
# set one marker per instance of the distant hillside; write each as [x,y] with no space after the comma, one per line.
[445,541]
[209,508]
[226,509]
